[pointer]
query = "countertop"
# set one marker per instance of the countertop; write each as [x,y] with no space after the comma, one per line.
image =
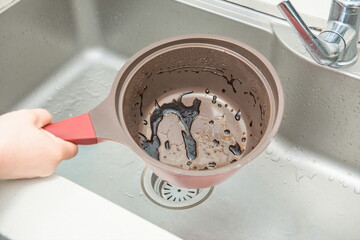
[56,208]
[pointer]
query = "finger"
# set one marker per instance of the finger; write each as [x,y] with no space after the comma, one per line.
[42,117]
[69,149]
[66,149]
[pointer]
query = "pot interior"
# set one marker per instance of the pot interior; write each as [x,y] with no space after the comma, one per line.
[197,106]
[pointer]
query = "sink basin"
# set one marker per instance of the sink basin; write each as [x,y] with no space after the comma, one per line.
[64,55]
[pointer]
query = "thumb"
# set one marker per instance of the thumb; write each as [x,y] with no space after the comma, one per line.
[41,117]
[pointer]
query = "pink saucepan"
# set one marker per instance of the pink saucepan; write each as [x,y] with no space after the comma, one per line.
[228,77]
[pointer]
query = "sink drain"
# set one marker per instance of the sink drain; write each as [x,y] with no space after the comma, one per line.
[169,196]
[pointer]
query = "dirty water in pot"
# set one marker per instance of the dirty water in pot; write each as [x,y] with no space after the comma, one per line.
[198,115]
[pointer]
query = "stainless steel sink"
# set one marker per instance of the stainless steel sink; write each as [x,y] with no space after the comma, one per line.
[64,55]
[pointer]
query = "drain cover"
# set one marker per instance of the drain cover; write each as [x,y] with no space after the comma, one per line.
[170,196]
[172,193]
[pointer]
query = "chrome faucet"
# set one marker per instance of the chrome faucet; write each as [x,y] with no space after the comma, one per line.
[336,45]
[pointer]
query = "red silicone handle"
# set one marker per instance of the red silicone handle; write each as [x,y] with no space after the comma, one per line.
[78,130]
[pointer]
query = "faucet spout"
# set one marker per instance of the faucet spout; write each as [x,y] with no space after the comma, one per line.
[336,45]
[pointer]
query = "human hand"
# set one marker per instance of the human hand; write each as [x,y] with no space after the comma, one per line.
[27,150]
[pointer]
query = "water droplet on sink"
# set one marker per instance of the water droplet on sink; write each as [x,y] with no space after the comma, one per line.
[311,176]
[298,176]
[357,189]
[269,151]
[275,159]
[129,195]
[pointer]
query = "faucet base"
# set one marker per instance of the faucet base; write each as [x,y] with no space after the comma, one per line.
[344,64]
